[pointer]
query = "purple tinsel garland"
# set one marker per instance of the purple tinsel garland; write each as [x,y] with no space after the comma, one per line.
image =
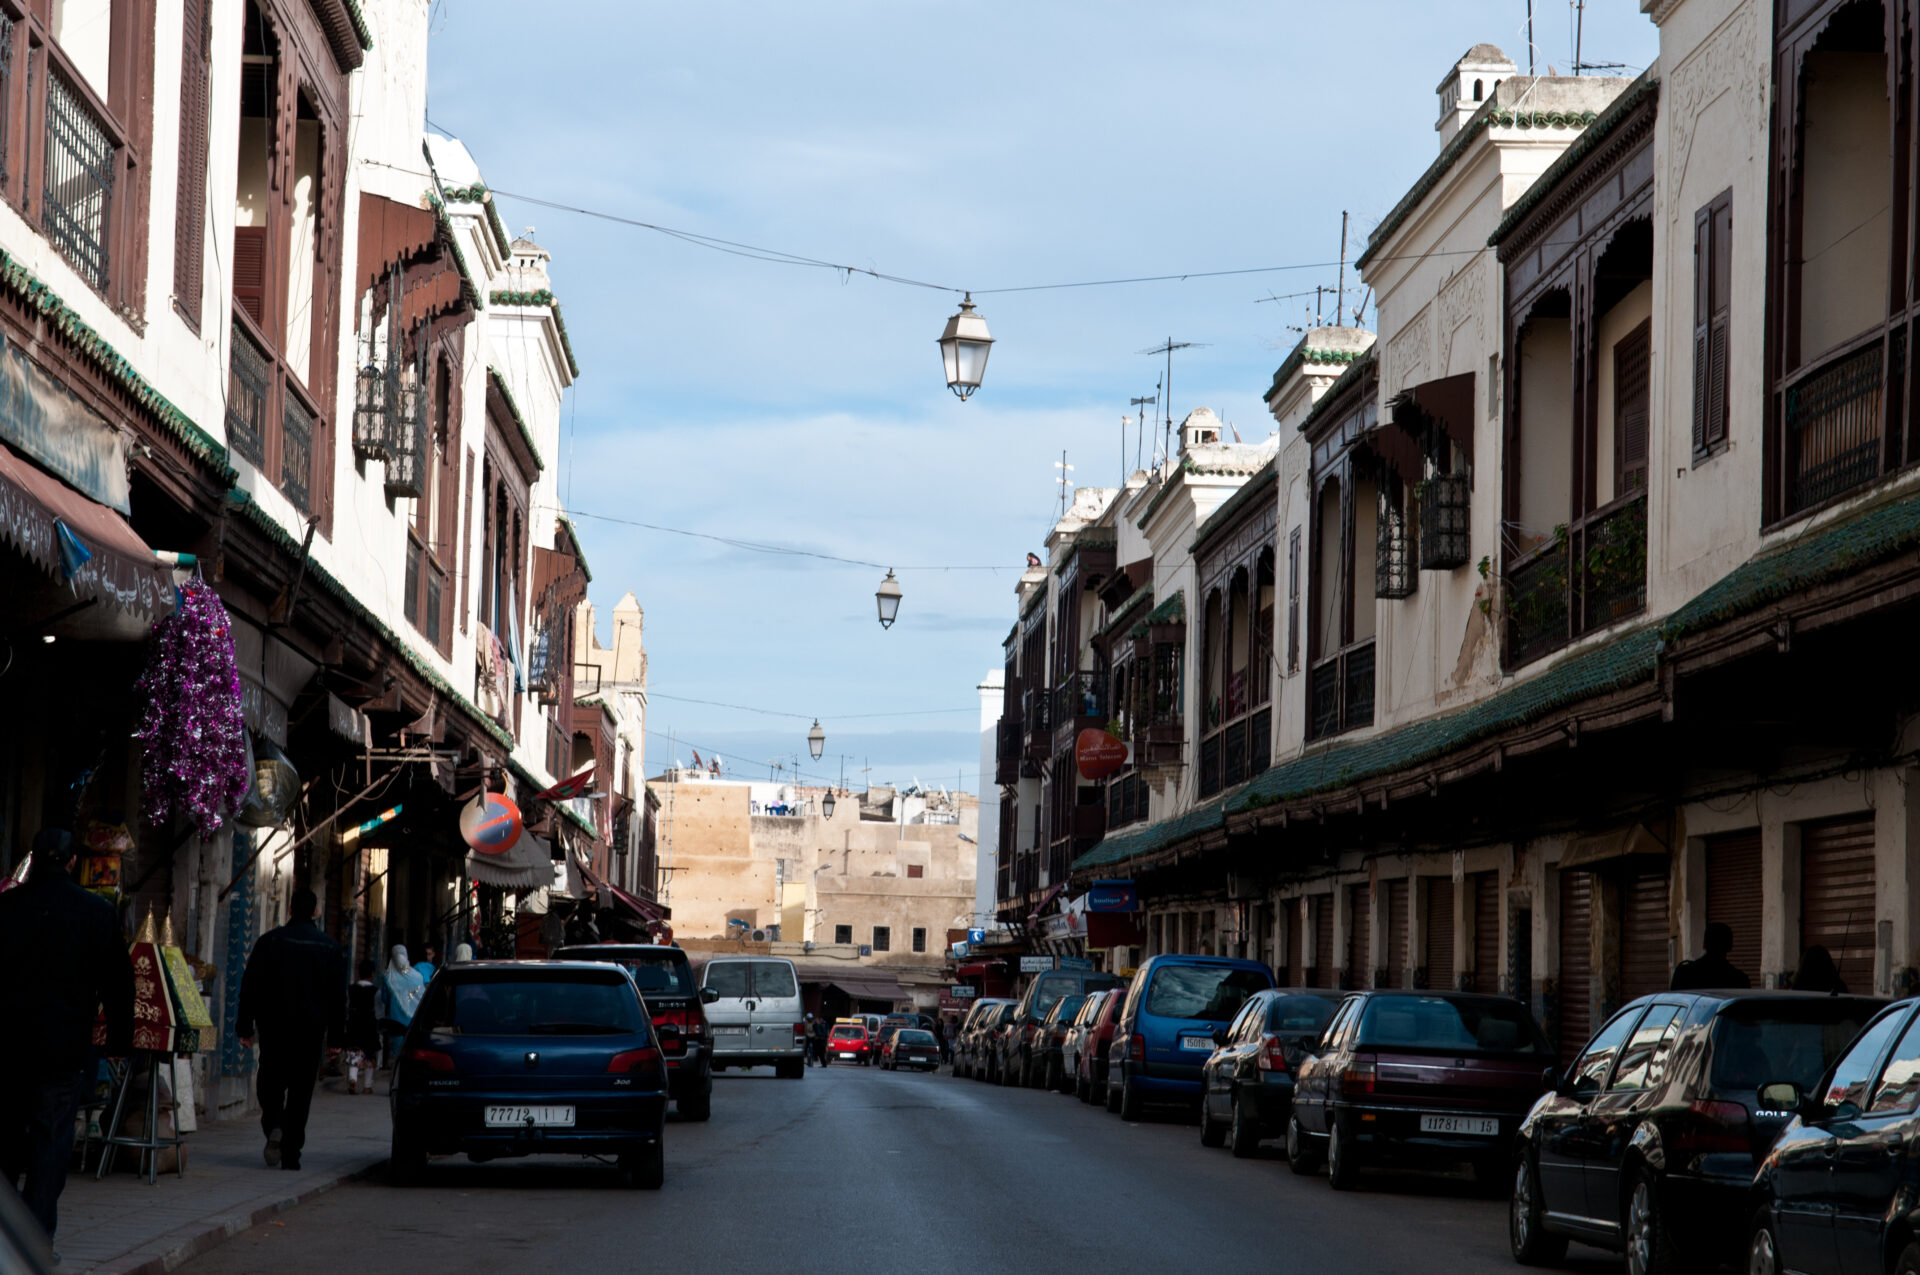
[196,753]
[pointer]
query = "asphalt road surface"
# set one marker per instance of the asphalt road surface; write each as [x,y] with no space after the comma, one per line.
[856,1169]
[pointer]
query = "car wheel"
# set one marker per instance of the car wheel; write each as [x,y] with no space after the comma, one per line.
[1052,1081]
[1343,1168]
[1909,1263]
[1526,1228]
[646,1169]
[1650,1242]
[407,1162]
[695,1107]
[1110,1097]
[1212,1133]
[1243,1135]
[1083,1089]
[1131,1099]
[1300,1156]
[794,1070]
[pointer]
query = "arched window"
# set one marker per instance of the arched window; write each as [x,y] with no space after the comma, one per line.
[1261,657]
[1237,648]
[1477,93]
[1215,650]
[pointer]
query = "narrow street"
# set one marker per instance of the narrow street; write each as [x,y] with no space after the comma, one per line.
[872,1166]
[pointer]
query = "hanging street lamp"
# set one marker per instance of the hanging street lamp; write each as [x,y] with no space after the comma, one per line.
[826,804]
[816,740]
[963,347]
[888,596]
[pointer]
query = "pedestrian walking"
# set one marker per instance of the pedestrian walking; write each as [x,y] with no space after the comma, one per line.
[1818,973]
[293,995]
[1712,969]
[948,1036]
[64,961]
[363,1029]
[400,990]
[820,1040]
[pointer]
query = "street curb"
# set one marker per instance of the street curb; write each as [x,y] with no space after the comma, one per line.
[191,1241]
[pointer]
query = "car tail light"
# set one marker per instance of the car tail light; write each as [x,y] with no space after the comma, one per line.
[1137,1048]
[799,1031]
[1716,1126]
[1271,1057]
[1359,1076]
[431,1059]
[631,1060]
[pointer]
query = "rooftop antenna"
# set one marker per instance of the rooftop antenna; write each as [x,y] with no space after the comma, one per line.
[1361,309]
[1066,480]
[1343,263]
[1579,30]
[1125,421]
[1140,423]
[1166,398]
[1529,39]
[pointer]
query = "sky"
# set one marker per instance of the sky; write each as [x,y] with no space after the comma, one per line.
[987,146]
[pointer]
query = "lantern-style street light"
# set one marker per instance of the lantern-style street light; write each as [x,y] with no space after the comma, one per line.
[963,347]
[888,596]
[826,804]
[816,740]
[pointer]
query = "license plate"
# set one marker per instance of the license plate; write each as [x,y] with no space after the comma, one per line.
[846,1055]
[1477,1126]
[729,1031]
[1197,1042]
[542,1117]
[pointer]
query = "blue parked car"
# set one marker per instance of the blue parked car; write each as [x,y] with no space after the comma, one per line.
[517,1058]
[1164,1035]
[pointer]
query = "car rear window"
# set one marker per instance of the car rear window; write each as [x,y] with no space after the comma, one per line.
[1201,991]
[662,975]
[1449,1026]
[1755,1043]
[774,978]
[1069,1007]
[728,979]
[532,1003]
[913,1036]
[1300,1015]
[849,1033]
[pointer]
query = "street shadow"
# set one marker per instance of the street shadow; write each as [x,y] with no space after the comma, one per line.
[536,1173]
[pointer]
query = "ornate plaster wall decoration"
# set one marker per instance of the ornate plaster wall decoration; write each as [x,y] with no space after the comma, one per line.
[1408,352]
[1725,62]
[1462,303]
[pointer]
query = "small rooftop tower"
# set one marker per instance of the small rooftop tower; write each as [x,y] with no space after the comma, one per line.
[1200,428]
[1470,83]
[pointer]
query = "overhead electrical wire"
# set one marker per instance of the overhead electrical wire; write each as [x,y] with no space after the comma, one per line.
[838,717]
[784,551]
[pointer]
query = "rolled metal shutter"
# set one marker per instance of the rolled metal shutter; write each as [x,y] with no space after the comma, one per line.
[1836,895]
[1397,933]
[1486,933]
[1359,936]
[1644,929]
[1438,957]
[1296,945]
[1323,940]
[1734,896]
[1576,963]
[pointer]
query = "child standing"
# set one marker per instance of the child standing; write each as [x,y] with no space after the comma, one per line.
[363,1030]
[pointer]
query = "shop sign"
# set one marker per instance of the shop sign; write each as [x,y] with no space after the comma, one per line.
[1060,925]
[962,949]
[1113,896]
[961,991]
[976,936]
[42,419]
[1076,963]
[1035,964]
[1098,754]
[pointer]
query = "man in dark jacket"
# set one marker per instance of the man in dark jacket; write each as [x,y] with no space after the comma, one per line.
[62,960]
[294,994]
[1712,970]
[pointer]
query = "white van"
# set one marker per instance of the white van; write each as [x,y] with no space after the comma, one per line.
[755,1014]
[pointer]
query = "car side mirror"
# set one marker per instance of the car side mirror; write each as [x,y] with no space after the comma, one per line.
[1219,1036]
[1783,1096]
[1550,1080]
[708,996]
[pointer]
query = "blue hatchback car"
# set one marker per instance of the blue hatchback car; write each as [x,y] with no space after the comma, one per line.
[517,1058]
[1164,1034]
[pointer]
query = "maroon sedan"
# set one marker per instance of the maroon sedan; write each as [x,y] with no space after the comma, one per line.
[1090,1066]
[1417,1078]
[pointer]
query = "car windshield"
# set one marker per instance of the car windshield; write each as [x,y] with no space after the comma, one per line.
[1201,991]
[1299,1015]
[849,1033]
[657,974]
[1757,1043]
[1449,1026]
[913,1036]
[532,1003]
[773,978]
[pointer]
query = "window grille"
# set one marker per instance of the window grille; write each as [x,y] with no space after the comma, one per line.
[78,194]
[407,464]
[296,454]
[247,381]
[1445,542]
[1394,575]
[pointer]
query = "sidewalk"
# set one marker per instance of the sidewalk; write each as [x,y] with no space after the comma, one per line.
[122,1226]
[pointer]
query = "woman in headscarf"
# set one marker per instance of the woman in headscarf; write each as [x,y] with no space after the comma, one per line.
[402,986]
[462,953]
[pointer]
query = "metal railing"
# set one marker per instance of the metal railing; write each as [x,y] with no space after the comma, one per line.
[1210,765]
[1537,601]
[1833,425]
[1081,696]
[296,460]
[248,380]
[1611,548]
[77,193]
[1039,708]
[1341,688]
[1259,741]
[1126,800]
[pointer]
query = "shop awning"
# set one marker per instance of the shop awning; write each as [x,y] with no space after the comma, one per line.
[978,969]
[526,865]
[1447,401]
[870,989]
[99,557]
[1053,892]
[646,909]
[1622,843]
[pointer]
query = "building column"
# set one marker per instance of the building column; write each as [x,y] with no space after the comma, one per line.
[1463,936]
[1896,838]
[1417,972]
[1780,896]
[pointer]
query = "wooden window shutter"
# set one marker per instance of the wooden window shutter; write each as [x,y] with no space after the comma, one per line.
[1702,319]
[1721,280]
[1632,395]
[190,207]
[250,271]
[1293,601]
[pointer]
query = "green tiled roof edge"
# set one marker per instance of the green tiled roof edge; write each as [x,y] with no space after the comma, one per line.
[467,286]
[1172,611]
[1141,597]
[1302,355]
[1356,371]
[361,31]
[325,579]
[478,194]
[110,361]
[513,410]
[1235,503]
[541,296]
[579,550]
[585,823]
[1648,85]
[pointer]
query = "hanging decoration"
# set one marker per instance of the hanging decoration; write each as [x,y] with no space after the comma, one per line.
[196,747]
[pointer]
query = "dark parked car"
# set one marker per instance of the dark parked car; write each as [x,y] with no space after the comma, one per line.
[1051,1039]
[1659,1120]
[1419,1078]
[1836,1194]
[1165,1031]
[912,1047]
[1246,1088]
[1092,1081]
[1073,1046]
[516,1058]
[988,1036]
[967,1059]
[664,976]
[1023,1054]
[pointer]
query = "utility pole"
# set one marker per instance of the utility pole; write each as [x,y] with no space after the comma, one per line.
[1529,38]
[1579,30]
